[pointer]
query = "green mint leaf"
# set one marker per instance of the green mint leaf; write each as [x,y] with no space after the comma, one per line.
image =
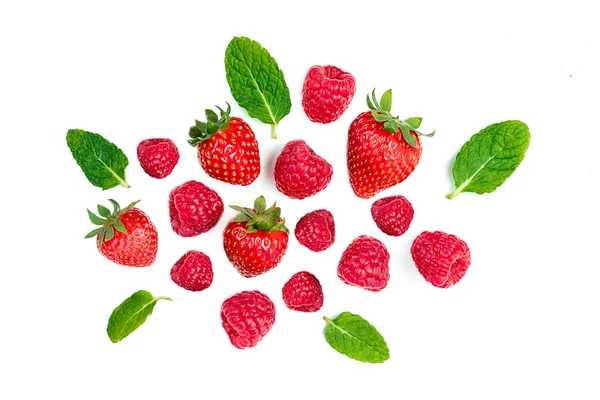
[256,82]
[355,337]
[102,162]
[490,157]
[131,314]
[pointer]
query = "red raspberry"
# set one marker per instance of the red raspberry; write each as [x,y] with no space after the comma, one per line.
[365,263]
[327,93]
[316,230]
[193,271]
[158,157]
[441,258]
[247,317]
[194,208]
[303,292]
[393,214]
[300,172]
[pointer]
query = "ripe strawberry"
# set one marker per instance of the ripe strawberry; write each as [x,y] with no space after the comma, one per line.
[441,258]
[158,157]
[327,93]
[247,317]
[256,239]
[316,230]
[300,172]
[193,271]
[194,208]
[227,148]
[378,156]
[303,292]
[125,236]
[393,214]
[365,263]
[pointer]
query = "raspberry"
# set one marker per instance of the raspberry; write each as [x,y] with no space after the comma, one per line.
[158,157]
[247,317]
[316,230]
[441,258]
[327,93]
[193,271]
[303,292]
[392,215]
[194,208]
[365,263]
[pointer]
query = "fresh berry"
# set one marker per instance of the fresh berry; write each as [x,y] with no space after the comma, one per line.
[303,292]
[316,230]
[327,93]
[194,208]
[158,157]
[125,236]
[193,271]
[365,263]
[300,172]
[382,150]
[393,214]
[227,148]
[256,240]
[247,317]
[441,258]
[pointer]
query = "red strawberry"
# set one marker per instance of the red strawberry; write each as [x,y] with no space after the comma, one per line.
[256,240]
[126,236]
[193,271]
[316,230]
[194,208]
[327,93]
[158,157]
[247,317]
[441,258]
[365,263]
[382,150]
[227,148]
[393,214]
[300,172]
[303,292]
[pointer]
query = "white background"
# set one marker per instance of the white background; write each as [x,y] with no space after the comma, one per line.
[522,324]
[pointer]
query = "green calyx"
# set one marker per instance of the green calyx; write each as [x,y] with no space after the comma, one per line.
[204,130]
[108,221]
[381,111]
[261,218]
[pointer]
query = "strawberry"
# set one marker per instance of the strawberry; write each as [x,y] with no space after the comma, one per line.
[327,93]
[256,239]
[194,208]
[365,263]
[303,292]
[125,236]
[382,150]
[247,317]
[300,172]
[158,157]
[193,271]
[393,214]
[441,258]
[227,148]
[316,230]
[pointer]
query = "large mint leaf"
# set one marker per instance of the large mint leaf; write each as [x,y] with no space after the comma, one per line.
[355,337]
[256,82]
[102,162]
[490,157]
[131,314]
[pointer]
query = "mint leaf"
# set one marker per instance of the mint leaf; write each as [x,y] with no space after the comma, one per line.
[102,162]
[131,314]
[355,337]
[256,82]
[490,157]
